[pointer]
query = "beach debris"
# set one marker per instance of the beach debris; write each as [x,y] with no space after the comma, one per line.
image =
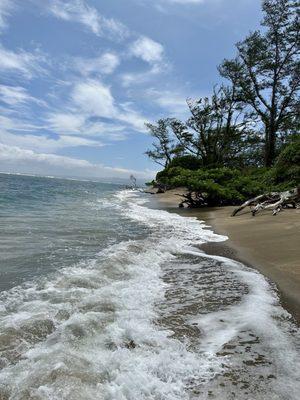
[274,201]
[133,181]
[133,185]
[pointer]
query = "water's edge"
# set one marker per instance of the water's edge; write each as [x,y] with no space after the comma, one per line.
[150,316]
[228,249]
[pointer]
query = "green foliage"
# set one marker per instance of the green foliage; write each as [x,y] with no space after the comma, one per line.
[219,151]
[265,72]
[164,177]
[218,131]
[290,156]
[187,162]
[221,186]
[151,183]
[287,166]
[164,147]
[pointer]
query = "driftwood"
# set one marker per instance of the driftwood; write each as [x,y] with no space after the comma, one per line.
[275,201]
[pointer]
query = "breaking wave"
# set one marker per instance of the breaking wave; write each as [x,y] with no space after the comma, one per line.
[151,317]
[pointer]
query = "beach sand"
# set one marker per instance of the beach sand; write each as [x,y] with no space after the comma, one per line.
[271,244]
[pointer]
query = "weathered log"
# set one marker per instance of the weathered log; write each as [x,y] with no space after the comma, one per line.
[249,203]
[274,201]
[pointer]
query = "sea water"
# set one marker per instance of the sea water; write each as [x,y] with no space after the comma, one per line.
[105,298]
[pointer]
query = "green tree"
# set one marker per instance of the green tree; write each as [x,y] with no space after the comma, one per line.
[164,148]
[266,71]
[218,130]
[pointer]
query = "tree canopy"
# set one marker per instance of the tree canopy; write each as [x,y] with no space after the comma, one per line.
[266,71]
[244,138]
[248,121]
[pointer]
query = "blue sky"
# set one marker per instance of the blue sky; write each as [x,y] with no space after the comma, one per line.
[79,78]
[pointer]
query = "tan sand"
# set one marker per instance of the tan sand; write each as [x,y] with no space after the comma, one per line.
[269,243]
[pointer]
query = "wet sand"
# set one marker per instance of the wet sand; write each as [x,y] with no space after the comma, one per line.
[271,244]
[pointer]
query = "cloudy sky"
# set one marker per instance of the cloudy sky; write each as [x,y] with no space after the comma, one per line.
[79,78]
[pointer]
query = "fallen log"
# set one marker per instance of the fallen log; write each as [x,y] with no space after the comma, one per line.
[273,200]
[250,202]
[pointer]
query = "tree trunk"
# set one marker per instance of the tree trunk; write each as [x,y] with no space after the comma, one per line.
[270,144]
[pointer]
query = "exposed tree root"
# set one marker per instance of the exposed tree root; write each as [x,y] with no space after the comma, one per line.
[192,200]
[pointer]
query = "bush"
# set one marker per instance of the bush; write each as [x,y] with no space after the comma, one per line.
[287,167]
[187,162]
[220,186]
[224,186]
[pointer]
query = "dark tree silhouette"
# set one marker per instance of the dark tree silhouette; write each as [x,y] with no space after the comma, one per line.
[266,71]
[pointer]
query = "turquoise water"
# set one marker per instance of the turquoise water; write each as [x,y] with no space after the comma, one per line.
[104,298]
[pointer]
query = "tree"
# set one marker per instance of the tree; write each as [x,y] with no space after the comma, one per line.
[266,71]
[165,147]
[217,131]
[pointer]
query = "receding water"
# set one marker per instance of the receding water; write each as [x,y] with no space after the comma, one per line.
[104,298]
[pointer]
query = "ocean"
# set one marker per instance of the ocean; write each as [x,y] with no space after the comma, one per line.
[103,297]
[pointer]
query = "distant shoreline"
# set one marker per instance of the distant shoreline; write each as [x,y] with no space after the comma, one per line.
[267,243]
[112,181]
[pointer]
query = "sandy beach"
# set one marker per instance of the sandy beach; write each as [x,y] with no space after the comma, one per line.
[271,244]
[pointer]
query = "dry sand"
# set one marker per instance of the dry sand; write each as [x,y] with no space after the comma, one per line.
[268,243]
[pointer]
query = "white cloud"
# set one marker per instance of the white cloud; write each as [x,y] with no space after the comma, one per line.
[109,131]
[66,122]
[16,159]
[173,102]
[94,98]
[165,5]
[18,132]
[15,154]
[17,124]
[104,64]
[14,95]
[79,11]
[79,124]
[44,143]
[138,78]
[20,62]
[148,50]
[6,6]
[132,117]
[184,2]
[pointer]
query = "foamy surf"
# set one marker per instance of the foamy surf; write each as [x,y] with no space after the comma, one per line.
[148,318]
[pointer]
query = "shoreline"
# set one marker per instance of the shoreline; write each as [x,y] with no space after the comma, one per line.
[266,243]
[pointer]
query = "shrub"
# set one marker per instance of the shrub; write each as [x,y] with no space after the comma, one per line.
[187,162]
[220,186]
[287,167]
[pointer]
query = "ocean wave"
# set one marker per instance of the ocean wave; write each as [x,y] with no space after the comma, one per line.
[147,318]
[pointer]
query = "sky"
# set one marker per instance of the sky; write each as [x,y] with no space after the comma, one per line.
[79,78]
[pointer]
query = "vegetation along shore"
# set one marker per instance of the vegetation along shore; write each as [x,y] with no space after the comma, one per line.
[241,147]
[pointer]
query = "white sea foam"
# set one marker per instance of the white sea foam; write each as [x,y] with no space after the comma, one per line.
[106,328]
